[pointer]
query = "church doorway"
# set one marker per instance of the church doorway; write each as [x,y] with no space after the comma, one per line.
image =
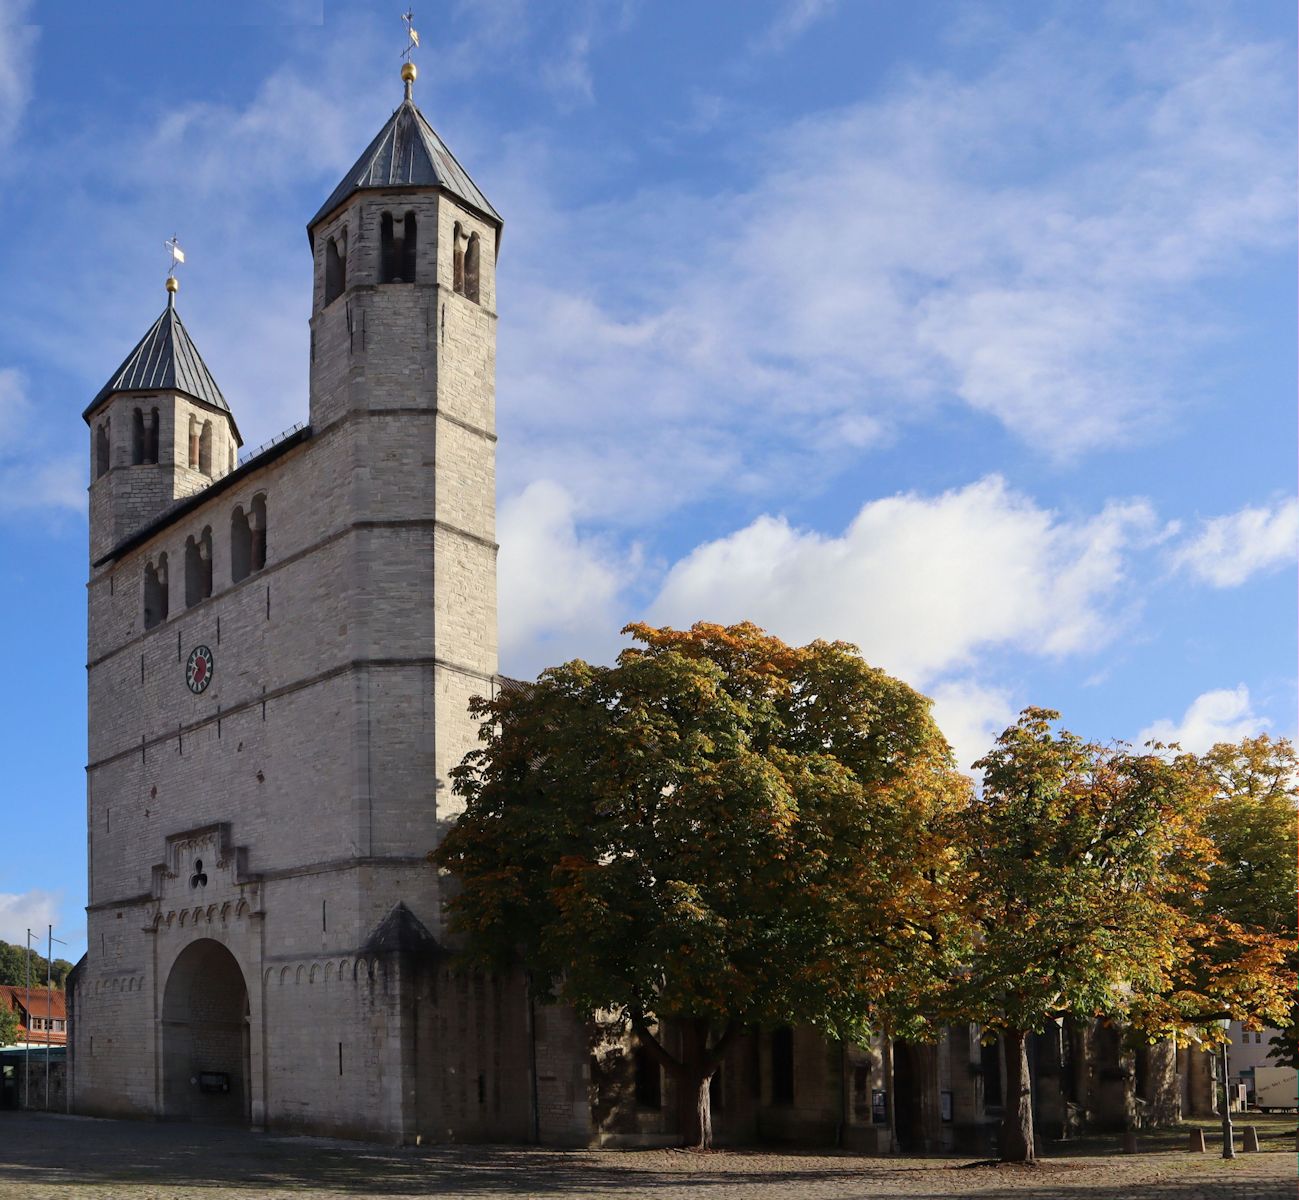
[205,1037]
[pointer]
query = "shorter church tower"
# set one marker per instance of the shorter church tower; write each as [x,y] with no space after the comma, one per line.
[160,430]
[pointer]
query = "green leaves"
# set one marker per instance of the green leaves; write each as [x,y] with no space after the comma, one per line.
[1109,881]
[719,826]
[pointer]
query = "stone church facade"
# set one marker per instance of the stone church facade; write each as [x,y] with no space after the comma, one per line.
[280,657]
[281,654]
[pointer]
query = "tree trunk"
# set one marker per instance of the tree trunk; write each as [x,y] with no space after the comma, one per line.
[890,1099]
[693,1072]
[1017,1119]
[695,1085]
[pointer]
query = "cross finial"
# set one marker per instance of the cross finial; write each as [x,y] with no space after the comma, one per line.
[408,71]
[177,257]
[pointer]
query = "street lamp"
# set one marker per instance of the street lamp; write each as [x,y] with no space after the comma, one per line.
[1228,1148]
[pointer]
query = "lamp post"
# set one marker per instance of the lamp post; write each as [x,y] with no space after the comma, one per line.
[1228,1148]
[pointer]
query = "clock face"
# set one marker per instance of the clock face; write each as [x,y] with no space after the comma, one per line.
[198,671]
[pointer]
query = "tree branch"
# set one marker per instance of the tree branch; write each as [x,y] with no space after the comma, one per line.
[651,1043]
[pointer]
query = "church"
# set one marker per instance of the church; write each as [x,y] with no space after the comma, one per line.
[281,653]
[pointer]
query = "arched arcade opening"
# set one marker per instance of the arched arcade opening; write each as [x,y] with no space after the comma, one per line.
[205,1037]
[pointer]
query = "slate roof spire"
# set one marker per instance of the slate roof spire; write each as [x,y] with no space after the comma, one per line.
[165,360]
[407,152]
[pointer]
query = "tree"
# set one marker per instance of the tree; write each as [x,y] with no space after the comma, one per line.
[8,1025]
[721,832]
[1237,952]
[14,967]
[1250,819]
[13,964]
[1070,851]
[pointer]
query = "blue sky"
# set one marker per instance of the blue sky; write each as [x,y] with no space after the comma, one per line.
[961,331]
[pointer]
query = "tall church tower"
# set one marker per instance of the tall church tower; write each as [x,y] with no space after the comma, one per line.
[403,358]
[272,727]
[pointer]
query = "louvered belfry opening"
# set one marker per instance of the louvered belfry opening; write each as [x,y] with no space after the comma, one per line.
[336,266]
[397,246]
[472,255]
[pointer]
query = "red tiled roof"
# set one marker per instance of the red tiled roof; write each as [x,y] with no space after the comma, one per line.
[17,1000]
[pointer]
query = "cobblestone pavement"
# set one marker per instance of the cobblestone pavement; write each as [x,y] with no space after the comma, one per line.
[76,1158]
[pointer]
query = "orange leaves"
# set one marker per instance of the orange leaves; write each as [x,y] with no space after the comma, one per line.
[720,825]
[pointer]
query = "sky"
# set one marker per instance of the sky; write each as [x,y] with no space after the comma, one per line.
[964,332]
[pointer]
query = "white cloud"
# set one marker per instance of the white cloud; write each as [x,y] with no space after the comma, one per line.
[1224,715]
[551,49]
[15,406]
[1037,244]
[33,478]
[791,22]
[17,52]
[1017,242]
[971,715]
[558,590]
[1230,549]
[21,911]
[922,584]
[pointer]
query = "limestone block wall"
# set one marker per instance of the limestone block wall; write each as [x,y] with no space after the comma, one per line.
[131,494]
[563,1073]
[326,1023]
[474,1071]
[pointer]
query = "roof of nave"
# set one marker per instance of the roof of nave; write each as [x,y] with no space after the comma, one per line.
[407,152]
[165,360]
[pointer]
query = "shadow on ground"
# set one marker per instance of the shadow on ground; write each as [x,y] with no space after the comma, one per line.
[120,1158]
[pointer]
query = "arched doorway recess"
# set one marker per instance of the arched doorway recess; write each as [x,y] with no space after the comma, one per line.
[205,1037]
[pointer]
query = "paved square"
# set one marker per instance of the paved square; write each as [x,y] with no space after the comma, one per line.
[76,1158]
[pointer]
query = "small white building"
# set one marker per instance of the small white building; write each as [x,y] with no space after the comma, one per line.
[1249,1050]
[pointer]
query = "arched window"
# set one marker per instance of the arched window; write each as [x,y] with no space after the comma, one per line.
[257,521]
[408,246]
[248,539]
[471,268]
[155,592]
[151,437]
[458,259]
[335,267]
[101,449]
[241,545]
[198,568]
[193,442]
[232,456]
[205,448]
[397,246]
[137,437]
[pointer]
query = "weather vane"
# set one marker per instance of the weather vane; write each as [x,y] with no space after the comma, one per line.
[412,37]
[177,257]
[408,71]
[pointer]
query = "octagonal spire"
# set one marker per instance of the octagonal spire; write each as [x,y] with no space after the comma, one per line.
[407,152]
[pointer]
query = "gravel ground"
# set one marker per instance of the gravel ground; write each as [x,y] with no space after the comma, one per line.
[77,1158]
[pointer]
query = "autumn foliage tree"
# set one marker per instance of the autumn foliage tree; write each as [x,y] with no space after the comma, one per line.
[1236,954]
[1074,854]
[720,831]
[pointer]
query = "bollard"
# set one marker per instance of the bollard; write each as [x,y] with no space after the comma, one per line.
[1195,1143]
[1129,1143]
[1250,1139]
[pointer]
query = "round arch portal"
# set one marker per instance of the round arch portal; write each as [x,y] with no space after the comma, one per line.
[205,1037]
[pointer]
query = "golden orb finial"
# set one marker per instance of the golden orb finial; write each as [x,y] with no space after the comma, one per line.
[173,284]
[408,72]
